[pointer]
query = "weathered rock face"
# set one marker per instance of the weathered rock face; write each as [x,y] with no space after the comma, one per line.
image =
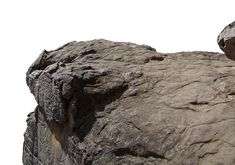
[103,102]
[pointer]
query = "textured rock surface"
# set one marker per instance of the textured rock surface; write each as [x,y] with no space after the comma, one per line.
[226,41]
[103,102]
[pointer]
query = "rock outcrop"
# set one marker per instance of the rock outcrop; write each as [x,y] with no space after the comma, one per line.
[103,102]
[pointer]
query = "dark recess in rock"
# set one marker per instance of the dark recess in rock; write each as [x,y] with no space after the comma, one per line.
[102,102]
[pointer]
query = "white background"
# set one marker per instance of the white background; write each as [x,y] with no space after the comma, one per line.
[29,26]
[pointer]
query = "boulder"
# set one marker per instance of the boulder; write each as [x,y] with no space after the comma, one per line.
[102,102]
[226,41]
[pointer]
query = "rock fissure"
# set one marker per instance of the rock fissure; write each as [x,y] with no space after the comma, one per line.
[130,152]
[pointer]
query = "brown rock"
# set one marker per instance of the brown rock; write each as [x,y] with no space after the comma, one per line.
[103,102]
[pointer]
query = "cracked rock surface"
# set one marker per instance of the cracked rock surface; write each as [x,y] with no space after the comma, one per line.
[103,102]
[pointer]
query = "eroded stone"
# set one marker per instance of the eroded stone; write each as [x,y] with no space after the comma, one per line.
[103,102]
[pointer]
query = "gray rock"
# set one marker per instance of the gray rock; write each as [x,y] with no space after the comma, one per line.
[103,102]
[226,41]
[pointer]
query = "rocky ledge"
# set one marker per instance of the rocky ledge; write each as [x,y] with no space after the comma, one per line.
[103,102]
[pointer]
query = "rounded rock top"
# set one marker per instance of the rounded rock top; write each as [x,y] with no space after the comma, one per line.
[226,40]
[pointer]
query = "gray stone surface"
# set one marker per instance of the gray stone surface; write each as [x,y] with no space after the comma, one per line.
[103,102]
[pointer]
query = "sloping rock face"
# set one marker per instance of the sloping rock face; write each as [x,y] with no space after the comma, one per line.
[103,102]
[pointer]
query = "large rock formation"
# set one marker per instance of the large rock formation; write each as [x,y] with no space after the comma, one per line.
[103,102]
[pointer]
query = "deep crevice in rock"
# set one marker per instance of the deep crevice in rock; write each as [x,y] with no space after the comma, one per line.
[199,103]
[156,58]
[87,52]
[132,152]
